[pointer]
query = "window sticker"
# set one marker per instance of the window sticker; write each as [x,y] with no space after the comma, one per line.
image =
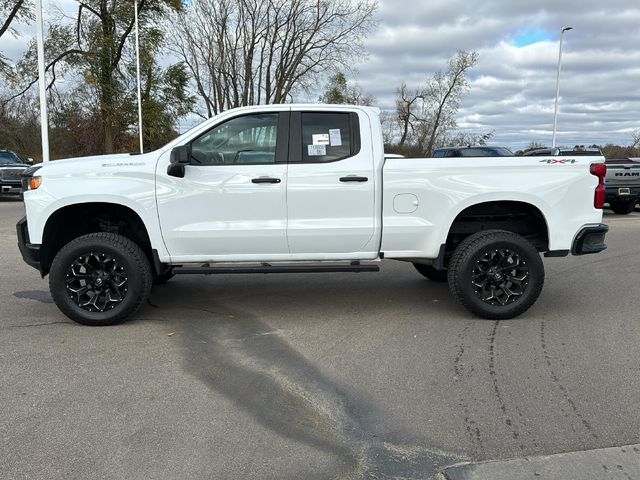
[335,137]
[317,150]
[321,139]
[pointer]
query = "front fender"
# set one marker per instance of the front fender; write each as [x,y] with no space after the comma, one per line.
[41,204]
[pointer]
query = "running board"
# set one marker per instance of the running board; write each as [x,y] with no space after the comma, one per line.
[276,269]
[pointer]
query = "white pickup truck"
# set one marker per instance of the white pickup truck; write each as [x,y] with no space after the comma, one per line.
[303,188]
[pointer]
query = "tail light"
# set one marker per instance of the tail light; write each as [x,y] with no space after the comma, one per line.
[600,171]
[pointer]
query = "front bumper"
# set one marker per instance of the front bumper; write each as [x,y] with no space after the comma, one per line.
[590,240]
[10,189]
[30,253]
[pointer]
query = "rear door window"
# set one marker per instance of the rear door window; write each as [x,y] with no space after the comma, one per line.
[329,137]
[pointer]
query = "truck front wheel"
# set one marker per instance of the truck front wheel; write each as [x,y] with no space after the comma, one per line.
[100,279]
[496,274]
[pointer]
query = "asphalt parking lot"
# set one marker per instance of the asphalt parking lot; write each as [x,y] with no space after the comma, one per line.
[342,376]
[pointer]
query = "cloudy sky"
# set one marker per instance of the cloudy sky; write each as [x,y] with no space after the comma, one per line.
[513,85]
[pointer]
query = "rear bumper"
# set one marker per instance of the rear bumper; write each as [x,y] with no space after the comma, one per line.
[613,193]
[30,253]
[590,240]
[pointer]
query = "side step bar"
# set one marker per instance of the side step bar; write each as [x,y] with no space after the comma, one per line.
[276,269]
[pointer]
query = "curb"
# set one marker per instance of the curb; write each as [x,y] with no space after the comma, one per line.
[601,464]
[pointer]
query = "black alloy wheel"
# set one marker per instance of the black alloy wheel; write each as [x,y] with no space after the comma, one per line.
[100,279]
[496,274]
[500,276]
[97,282]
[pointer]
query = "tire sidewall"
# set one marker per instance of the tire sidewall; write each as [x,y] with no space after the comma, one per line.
[527,253]
[623,208]
[57,279]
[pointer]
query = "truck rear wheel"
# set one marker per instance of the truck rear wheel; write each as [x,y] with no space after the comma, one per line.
[496,274]
[431,273]
[100,279]
[623,208]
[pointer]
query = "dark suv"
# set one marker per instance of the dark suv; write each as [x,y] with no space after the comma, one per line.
[480,151]
[11,166]
[563,152]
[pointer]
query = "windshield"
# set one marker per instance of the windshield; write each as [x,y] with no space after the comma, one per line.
[9,158]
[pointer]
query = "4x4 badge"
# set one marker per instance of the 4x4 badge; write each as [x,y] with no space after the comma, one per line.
[560,162]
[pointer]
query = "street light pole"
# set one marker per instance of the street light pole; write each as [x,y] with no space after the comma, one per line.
[555,113]
[135,9]
[44,119]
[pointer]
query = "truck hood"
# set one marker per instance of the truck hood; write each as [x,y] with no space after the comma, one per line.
[13,165]
[97,162]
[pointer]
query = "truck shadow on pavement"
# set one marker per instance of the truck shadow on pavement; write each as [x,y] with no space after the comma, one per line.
[258,370]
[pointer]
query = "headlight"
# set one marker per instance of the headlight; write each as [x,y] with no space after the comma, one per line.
[29,182]
[34,182]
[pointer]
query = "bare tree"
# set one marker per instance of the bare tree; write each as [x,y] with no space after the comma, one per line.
[12,11]
[406,112]
[426,116]
[635,139]
[340,91]
[248,52]
[96,46]
[458,138]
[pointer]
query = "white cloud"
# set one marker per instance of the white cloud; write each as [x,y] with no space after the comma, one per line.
[513,88]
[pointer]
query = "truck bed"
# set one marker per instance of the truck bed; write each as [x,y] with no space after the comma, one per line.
[423,196]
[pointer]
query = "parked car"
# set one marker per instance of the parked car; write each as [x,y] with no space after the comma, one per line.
[11,166]
[302,188]
[623,185]
[470,151]
[563,152]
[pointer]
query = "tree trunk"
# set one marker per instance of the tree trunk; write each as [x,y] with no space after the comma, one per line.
[108,136]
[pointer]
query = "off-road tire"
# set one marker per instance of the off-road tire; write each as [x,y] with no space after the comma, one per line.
[431,273]
[623,208]
[126,253]
[468,256]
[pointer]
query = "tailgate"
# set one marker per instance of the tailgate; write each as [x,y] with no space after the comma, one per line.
[623,174]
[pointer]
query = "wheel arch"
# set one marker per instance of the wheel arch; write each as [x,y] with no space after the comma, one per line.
[74,220]
[516,216]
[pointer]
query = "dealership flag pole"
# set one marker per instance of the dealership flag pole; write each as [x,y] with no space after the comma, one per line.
[44,121]
[138,76]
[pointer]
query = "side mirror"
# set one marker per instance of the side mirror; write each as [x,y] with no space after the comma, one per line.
[180,155]
[29,161]
[178,159]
